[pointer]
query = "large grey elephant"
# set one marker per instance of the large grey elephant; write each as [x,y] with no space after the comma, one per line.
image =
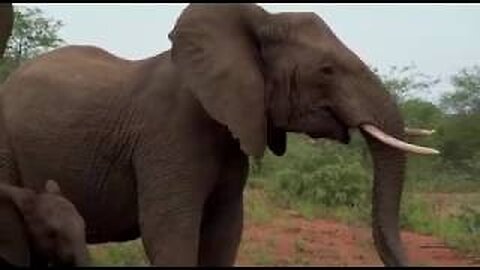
[159,147]
[6,25]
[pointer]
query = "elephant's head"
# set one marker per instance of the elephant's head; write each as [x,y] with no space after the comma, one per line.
[263,75]
[6,24]
[55,227]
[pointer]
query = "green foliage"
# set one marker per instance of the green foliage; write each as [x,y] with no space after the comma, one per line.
[414,215]
[32,35]
[258,208]
[469,238]
[129,253]
[465,100]
[404,83]
[456,122]
[461,142]
[460,230]
[421,113]
[262,257]
[470,217]
[326,174]
[329,185]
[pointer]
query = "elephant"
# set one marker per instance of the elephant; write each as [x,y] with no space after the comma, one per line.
[159,148]
[6,25]
[55,227]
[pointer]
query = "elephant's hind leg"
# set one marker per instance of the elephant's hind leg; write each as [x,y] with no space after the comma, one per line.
[14,247]
[222,222]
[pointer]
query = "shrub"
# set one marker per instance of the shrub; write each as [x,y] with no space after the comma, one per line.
[324,174]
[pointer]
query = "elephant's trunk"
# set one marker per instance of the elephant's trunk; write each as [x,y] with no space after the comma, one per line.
[389,170]
[16,194]
[375,112]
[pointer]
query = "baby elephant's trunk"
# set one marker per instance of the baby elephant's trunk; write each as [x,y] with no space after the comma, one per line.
[19,196]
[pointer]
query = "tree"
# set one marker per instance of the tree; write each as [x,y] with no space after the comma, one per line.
[461,143]
[404,83]
[407,85]
[421,113]
[466,96]
[32,35]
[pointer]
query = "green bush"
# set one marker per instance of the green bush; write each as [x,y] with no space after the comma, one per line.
[460,230]
[469,237]
[130,253]
[329,185]
[322,175]
[471,218]
[415,215]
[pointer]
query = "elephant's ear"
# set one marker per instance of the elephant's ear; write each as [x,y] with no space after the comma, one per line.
[216,53]
[52,187]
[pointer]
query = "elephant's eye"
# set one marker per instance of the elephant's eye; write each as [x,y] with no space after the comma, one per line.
[327,70]
[51,234]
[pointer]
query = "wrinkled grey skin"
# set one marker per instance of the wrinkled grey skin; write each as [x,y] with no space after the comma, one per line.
[6,25]
[158,148]
[56,230]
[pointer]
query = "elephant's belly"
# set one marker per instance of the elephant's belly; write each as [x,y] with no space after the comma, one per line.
[111,209]
[106,198]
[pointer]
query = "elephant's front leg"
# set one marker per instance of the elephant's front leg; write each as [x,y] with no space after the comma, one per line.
[170,228]
[171,198]
[222,222]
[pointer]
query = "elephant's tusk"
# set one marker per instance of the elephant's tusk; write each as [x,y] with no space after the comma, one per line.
[419,132]
[389,140]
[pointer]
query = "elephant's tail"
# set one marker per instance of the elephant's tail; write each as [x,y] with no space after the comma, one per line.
[9,173]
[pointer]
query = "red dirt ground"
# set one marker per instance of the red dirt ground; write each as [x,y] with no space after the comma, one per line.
[297,241]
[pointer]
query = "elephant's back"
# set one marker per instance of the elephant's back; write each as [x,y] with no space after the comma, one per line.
[74,75]
[73,92]
[67,88]
[75,70]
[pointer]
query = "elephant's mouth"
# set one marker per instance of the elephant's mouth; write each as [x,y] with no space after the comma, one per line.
[328,125]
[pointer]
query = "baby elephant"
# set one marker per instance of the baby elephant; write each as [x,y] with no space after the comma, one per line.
[56,228]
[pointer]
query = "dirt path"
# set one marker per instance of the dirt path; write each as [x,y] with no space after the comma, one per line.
[292,240]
